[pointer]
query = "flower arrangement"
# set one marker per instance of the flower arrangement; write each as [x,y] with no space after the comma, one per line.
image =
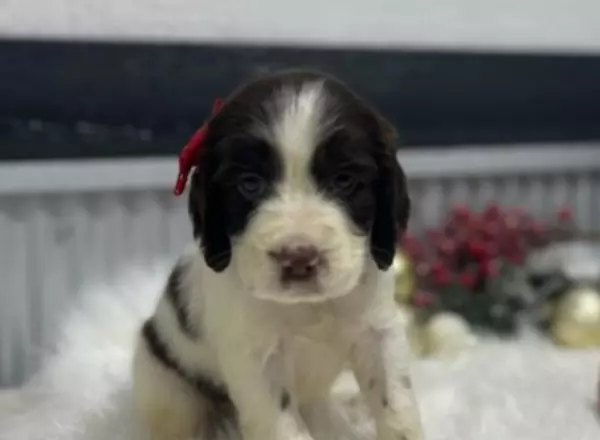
[473,265]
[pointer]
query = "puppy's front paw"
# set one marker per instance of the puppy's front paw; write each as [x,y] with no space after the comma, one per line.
[400,425]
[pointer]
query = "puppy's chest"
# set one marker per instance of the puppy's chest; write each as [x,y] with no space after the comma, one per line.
[315,354]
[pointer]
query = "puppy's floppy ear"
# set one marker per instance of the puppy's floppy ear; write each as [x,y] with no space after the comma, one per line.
[209,220]
[392,202]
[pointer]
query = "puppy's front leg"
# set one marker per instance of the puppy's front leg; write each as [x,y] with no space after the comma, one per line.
[265,404]
[380,362]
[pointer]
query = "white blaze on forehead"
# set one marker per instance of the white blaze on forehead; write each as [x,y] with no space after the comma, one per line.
[298,121]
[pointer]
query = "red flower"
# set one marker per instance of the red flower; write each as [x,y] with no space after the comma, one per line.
[411,246]
[442,278]
[512,222]
[475,225]
[461,212]
[516,258]
[423,299]
[438,267]
[491,230]
[447,247]
[477,249]
[492,249]
[511,240]
[492,211]
[434,235]
[408,240]
[440,273]
[423,269]
[467,279]
[488,269]
[564,214]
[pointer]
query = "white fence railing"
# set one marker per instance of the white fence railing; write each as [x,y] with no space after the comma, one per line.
[66,223]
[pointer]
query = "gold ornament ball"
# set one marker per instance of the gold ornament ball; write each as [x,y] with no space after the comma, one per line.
[405,277]
[446,335]
[576,321]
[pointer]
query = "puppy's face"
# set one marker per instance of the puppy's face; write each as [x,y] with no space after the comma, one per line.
[297,189]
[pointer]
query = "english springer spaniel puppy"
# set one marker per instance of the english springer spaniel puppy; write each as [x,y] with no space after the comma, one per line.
[297,202]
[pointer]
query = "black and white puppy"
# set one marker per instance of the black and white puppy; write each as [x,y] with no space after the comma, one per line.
[296,202]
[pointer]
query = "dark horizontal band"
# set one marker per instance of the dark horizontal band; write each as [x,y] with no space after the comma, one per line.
[85,100]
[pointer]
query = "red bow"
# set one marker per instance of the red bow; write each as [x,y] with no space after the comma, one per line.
[189,153]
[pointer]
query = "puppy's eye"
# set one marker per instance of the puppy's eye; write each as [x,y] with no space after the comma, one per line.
[344,182]
[251,185]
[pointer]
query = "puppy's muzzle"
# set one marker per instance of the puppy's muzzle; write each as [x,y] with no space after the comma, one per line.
[298,262]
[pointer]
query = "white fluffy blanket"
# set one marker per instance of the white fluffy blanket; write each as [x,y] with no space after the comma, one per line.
[521,390]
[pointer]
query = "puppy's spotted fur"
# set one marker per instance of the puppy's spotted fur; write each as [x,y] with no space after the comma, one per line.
[296,203]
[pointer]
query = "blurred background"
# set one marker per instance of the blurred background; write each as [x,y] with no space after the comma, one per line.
[497,103]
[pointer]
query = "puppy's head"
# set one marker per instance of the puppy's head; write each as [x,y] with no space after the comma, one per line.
[297,189]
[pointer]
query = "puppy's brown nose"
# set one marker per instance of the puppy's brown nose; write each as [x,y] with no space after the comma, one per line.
[297,263]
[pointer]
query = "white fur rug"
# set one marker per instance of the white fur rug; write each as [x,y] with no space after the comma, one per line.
[525,390]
